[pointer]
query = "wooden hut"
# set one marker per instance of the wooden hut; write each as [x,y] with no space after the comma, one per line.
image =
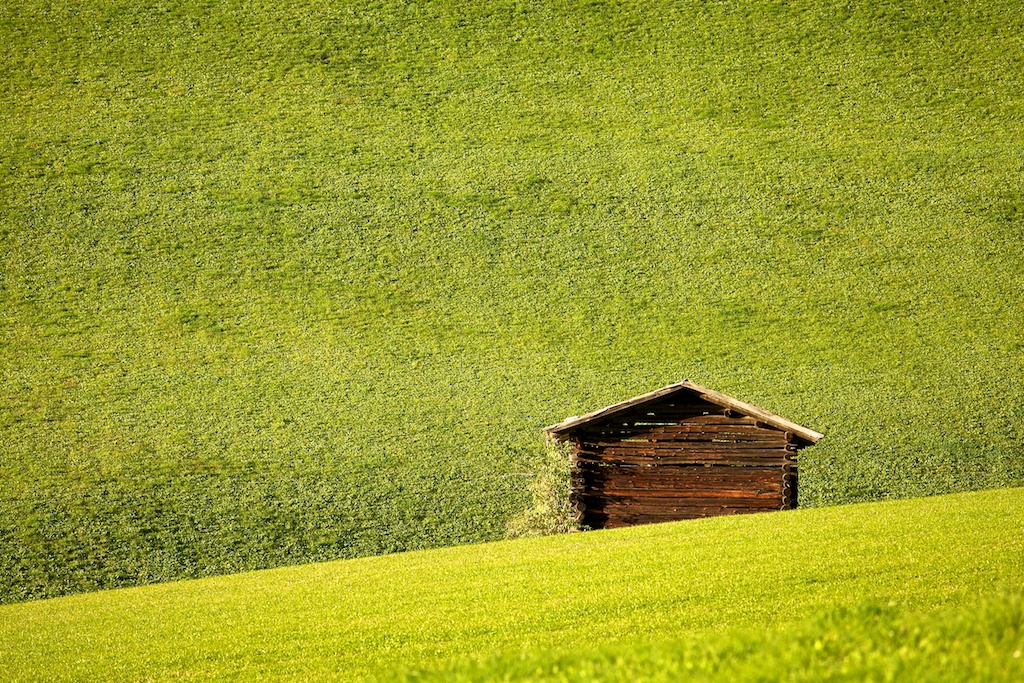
[680,452]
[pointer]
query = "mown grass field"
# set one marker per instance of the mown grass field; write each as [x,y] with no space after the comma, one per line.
[979,642]
[287,282]
[856,592]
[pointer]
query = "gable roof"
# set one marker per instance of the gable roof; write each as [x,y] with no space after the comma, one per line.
[567,426]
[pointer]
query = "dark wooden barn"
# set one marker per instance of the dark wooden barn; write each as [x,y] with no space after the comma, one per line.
[681,452]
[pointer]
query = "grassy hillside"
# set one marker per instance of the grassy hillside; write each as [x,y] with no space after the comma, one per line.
[980,642]
[285,282]
[721,594]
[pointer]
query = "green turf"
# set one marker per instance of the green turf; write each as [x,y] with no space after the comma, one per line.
[981,642]
[665,592]
[291,281]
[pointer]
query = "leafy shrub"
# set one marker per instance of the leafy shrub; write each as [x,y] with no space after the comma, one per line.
[551,511]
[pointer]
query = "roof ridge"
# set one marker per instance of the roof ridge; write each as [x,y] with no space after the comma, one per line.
[709,395]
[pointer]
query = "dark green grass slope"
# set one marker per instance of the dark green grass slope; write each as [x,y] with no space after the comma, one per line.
[286,282]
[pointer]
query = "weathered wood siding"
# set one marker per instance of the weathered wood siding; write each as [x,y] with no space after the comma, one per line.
[680,459]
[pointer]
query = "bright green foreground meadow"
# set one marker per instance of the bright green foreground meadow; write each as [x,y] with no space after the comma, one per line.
[291,281]
[663,594]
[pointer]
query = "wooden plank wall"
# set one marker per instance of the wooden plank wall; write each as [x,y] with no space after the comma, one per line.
[680,460]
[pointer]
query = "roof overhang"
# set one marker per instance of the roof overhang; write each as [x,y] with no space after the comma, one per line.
[563,429]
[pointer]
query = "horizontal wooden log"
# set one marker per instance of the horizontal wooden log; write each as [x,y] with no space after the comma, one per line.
[700,460]
[703,445]
[697,459]
[651,466]
[739,493]
[708,507]
[660,461]
[581,480]
[742,441]
[766,441]
[682,442]
[682,476]
[756,491]
[640,503]
[656,467]
[590,493]
[601,502]
[715,444]
[733,479]
[655,447]
[658,448]
[643,458]
[617,456]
